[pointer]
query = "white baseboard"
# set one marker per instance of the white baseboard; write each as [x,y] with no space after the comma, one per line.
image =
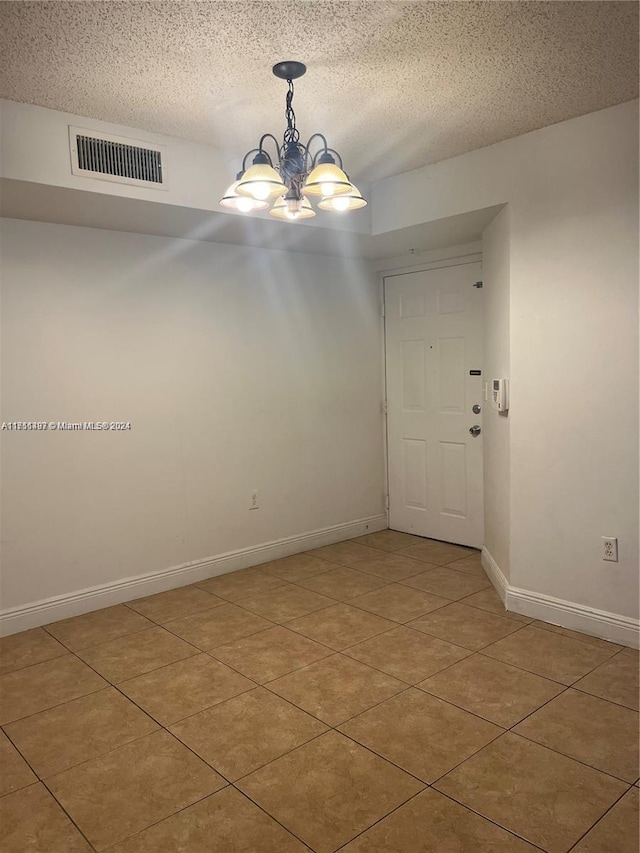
[557,611]
[495,575]
[75,603]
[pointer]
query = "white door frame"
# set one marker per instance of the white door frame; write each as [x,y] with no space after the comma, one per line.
[401,269]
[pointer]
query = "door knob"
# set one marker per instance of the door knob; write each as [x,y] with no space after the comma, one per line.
[475,430]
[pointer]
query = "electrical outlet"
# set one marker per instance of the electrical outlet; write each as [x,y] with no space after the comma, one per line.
[610,548]
[254,502]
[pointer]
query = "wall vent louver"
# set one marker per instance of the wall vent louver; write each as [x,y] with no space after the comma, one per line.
[115,158]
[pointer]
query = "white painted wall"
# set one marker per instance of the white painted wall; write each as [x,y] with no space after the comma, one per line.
[572,191]
[238,370]
[495,425]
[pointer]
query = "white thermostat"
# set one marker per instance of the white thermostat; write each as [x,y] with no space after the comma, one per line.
[500,394]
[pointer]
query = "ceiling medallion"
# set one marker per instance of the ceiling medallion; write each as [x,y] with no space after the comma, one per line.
[295,175]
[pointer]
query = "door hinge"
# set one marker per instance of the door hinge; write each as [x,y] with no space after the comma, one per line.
[382,309]
[385,407]
[386,501]
[479,285]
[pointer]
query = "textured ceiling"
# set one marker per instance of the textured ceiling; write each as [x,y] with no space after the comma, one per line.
[395,85]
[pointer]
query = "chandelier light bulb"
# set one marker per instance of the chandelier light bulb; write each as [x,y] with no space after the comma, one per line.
[340,203]
[260,190]
[245,204]
[327,189]
[292,209]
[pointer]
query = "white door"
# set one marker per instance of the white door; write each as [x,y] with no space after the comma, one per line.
[433,333]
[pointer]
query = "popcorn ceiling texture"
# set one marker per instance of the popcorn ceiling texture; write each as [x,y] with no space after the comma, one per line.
[394,85]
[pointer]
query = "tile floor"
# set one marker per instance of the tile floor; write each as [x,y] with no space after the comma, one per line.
[370,696]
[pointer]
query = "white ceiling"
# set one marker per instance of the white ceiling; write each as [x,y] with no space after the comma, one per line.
[395,85]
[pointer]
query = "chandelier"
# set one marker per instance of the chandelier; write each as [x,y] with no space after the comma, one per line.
[295,175]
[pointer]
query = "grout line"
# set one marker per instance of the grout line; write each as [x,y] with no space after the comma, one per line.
[269,815]
[380,819]
[56,800]
[138,832]
[111,639]
[490,820]
[595,695]
[595,823]
[288,751]
[59,704]
[571,757]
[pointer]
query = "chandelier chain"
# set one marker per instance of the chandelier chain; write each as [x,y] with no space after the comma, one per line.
[291,134]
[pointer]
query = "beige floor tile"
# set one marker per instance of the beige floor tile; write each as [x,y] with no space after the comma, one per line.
[468,566]
[588,729]
[344,553]
[245,733]
[550,655]
[421,734]
[15,773]
[488,599]
[390,567]
[462,563]
[226,822]
[437,553]
[615,680]
[491,689]
[407,654]
[174,604]
[126,657]
[98,627]
[336,688]
[329,790]
[32,822]
[27,648]
[466,626]
[218,626]
[285,603]
[617,831]
[543,796]
[185,688]
[295,568]
[399,603]
[432,823]
[270,654]
[235,585]
[343,584]
[447,583]
[340,626]
[44,685]
[577,635]
[388,540]
[84,728]
[116,795]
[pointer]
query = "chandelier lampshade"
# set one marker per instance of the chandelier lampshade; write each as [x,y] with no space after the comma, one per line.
[327,180]
[242,203]
[292,209]
[286,182]
[341,203]
[261,181]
